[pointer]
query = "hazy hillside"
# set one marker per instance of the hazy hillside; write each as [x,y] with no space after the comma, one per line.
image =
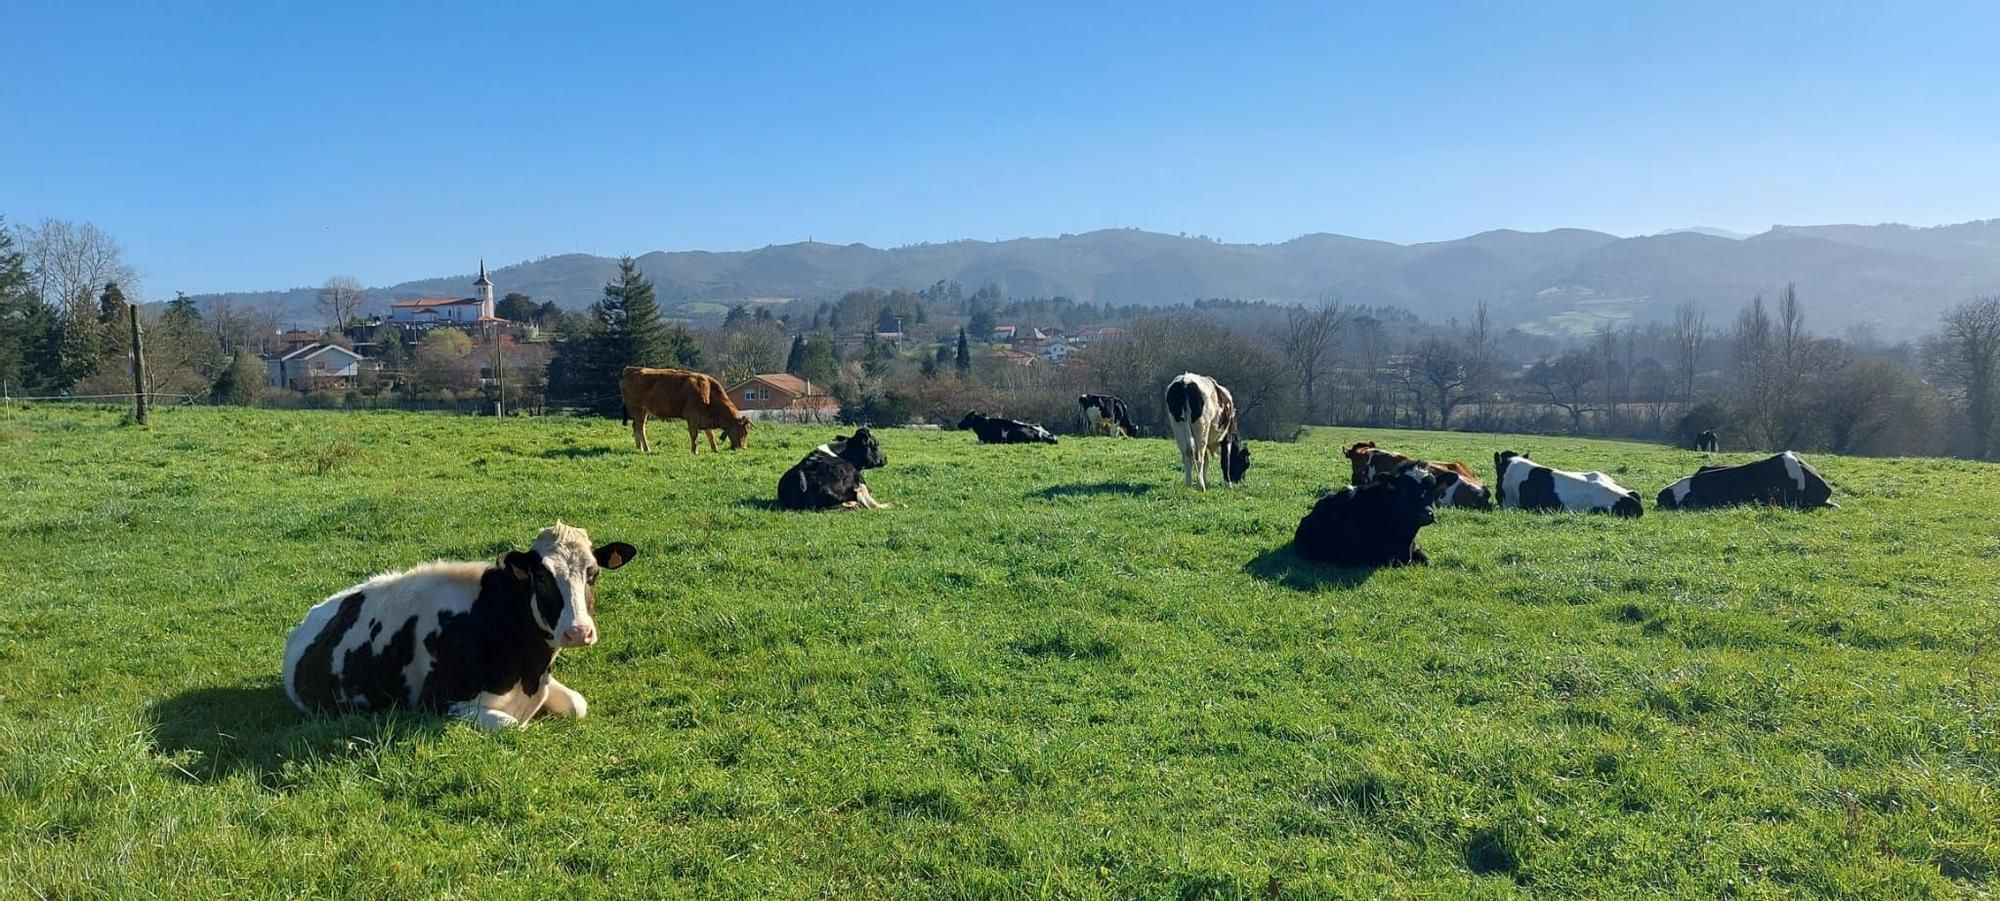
[1566,280]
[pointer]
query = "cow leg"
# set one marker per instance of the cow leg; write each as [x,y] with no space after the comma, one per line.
[1187,464]
[867,500]
[694,435]
[483,718]
[639,431]
[711,441]
[564,701]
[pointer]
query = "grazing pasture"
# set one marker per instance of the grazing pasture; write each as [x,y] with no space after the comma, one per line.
[1049,671]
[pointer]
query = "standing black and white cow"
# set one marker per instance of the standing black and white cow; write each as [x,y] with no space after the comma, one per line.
[1107,415]
[1781,480]
[994,430]
[1523,484]
[830,476]
[473,640]
[1706,441]
[1374,524]
[1203,417]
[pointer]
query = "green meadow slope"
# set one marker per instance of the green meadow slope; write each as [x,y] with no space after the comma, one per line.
[1049,671]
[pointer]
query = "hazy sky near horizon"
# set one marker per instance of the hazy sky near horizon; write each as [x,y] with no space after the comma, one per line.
[250,146]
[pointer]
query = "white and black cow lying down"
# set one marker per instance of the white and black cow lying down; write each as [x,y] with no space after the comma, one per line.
[473,640]
[1107,415]
[1781,480]
[993,430]
[1523,484]
[1371,525]
[830,476]
[1203,417]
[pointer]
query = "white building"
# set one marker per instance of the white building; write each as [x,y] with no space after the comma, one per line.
[449,310]
[313,366]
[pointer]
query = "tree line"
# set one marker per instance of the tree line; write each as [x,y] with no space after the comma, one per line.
[1763,377]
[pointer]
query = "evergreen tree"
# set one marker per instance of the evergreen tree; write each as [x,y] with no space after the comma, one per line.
[516,307]
[681,349]
[241,381]
[821,363]
[737,314]
[887,321]
[115,331]
[797,357]
[629,318]
[28,329]
[964,361]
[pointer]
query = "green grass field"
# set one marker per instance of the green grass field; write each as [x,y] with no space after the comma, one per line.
[1049,672]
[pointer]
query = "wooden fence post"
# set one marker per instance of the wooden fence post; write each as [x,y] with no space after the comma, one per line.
[138,366]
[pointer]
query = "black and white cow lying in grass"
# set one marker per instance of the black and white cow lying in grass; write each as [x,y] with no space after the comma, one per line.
[1374,524]
[994,430]
[473,640]
[1781,480]
[830,476]
[1523,484]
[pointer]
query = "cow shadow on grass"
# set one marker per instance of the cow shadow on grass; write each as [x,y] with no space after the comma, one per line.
[1095,489]
[575,453]
[206,735]
[1280,566]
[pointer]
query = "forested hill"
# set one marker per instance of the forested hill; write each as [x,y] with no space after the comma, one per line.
[1566,280]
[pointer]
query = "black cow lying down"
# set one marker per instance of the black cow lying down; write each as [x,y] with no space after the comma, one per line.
[1372,525]
[1782,480]
[830,476]
[993,430]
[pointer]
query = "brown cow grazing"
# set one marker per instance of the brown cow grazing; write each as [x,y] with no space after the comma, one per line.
[693,397]
[1456,485]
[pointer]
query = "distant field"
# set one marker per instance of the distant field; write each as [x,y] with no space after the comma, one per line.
[1050,672]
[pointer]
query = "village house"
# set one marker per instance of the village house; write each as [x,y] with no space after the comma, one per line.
[781,392]
[1087,336]
[313,367]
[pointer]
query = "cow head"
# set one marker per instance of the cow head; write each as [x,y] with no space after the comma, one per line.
[1083,400]
[971,419]
[1462,493]
[860,449]
[1500,461]
[1235,459]
[1416,493]
[561,572]
[738,430]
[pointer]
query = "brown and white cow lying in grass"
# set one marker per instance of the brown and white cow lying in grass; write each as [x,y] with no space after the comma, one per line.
[473,640]
[1456,485]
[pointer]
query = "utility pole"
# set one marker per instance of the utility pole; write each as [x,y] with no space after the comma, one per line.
[138,365]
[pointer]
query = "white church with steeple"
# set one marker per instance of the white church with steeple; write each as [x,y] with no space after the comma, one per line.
[475,310]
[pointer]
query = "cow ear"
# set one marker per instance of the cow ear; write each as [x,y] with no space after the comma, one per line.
[615,554]
[520,565]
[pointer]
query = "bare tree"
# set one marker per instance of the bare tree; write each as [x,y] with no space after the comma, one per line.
[1482,355]
[340,299]
[1967,355]
[1753,381]
[1689,338]
[1439,374]
[1371,344]
[71,261]
[1308,344]
[1565,382]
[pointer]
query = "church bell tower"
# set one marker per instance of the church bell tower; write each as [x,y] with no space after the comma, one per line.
[485,286]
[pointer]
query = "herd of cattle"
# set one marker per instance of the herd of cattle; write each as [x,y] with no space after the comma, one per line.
[476,640]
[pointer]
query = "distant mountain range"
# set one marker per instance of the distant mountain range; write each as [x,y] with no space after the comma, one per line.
[1563,281]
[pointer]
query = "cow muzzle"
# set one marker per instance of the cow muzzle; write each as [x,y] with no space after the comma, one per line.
[579,636]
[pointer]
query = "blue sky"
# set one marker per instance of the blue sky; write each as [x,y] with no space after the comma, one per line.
[269,145]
